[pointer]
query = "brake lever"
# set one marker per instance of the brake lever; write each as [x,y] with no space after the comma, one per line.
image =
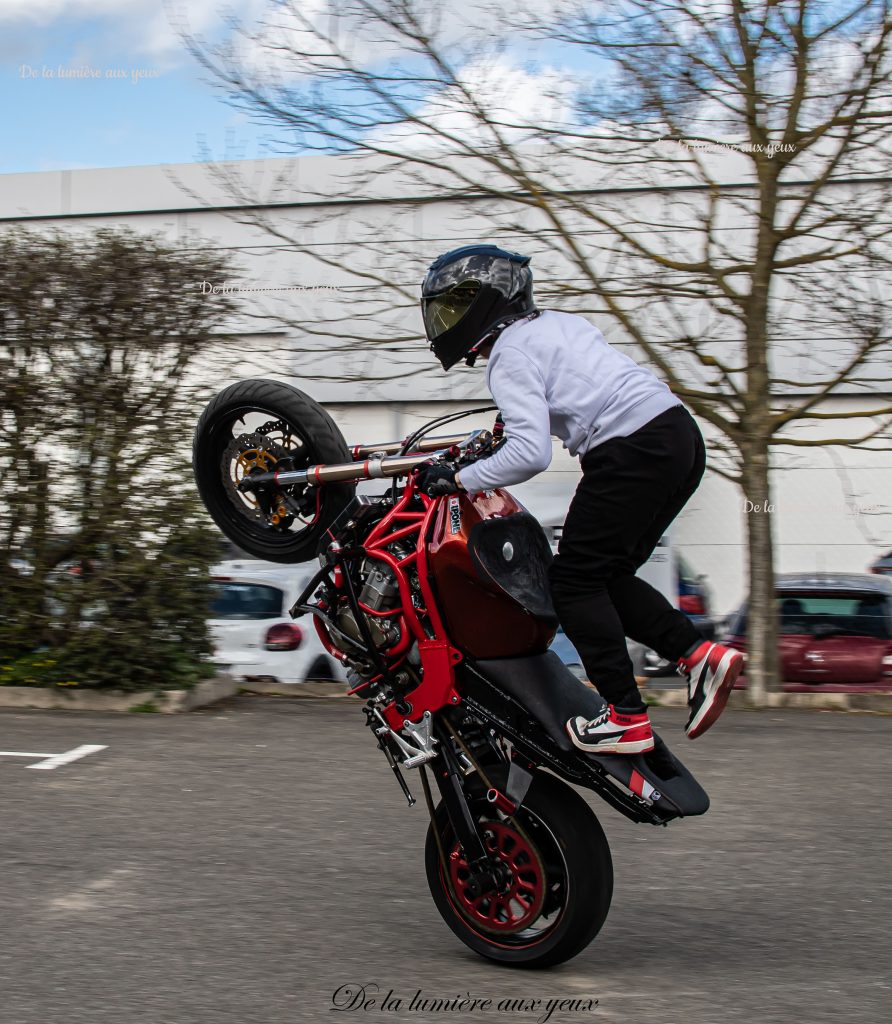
[488,444]
[466,451]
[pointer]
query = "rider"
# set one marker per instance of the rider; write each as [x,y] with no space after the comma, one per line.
[642,457]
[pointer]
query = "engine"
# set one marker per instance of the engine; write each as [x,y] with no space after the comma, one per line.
[380,593]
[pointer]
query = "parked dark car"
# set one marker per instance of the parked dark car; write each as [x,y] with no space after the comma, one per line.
[883,565]
[694,598]
[835,632]
[695,601]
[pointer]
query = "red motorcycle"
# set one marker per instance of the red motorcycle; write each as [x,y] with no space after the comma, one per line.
[440,610]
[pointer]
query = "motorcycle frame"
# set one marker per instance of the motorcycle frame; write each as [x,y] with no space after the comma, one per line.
[437,689]
[438,656]
[440,688]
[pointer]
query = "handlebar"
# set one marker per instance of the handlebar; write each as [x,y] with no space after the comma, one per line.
[372,468]
[426,444]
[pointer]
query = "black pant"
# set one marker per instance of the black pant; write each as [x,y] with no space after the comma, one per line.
[631,490]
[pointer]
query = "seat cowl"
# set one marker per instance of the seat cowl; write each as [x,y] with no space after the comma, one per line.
[544,685]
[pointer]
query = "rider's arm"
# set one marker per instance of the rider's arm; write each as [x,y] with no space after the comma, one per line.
[519,391]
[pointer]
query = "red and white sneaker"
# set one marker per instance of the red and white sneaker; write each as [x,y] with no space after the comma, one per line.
[612,732]
[711,671]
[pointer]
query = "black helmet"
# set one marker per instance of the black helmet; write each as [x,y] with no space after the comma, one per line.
[469,295]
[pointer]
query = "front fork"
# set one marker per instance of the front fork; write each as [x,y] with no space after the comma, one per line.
[429,741]
[485,874]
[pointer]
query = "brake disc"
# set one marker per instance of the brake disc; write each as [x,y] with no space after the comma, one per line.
[255,453]
[286,437]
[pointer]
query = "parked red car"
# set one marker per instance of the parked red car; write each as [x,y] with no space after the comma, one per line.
[835,632]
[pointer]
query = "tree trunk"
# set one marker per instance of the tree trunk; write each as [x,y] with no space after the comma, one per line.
[762,654]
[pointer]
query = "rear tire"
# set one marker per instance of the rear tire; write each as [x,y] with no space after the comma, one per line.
[319,441]
[573,849]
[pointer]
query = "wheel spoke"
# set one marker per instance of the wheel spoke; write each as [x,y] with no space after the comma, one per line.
[520,904]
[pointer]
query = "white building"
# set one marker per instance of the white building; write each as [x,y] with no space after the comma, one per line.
[832,508]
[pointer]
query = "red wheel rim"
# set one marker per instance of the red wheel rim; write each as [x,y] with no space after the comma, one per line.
[520,904]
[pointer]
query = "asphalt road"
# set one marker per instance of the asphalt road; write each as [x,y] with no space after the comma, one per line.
[244,863]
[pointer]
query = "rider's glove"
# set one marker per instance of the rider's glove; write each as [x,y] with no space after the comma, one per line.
[435,480]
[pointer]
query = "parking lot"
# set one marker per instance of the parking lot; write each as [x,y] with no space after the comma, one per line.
[244,863]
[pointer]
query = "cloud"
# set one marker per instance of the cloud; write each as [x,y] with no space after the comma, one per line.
[143,27]
[289,36]
[519,101]
[43,12]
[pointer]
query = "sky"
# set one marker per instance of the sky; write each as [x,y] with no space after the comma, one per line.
[108,83]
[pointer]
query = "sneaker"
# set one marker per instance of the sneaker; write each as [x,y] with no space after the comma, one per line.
[612,732]
[711,671]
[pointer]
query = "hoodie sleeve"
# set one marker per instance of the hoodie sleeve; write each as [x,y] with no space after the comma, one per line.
[519,391]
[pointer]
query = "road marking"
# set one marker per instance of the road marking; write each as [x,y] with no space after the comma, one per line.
[91,895]
[18,753]
[55,760]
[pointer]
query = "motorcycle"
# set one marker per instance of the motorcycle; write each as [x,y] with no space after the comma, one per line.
[439,609]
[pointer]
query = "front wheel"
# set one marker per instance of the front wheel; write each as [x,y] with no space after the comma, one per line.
[257,426]
[560,870]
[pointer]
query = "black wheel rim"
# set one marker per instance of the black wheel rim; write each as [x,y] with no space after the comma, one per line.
[242,510]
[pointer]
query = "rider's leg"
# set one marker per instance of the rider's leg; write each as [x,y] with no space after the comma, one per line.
[612,514]
[593,626]
[628,487]
[710,669]
[646,614]
[650,619]
[596,631]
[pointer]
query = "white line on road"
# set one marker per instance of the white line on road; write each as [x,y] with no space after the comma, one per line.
[55,760]
[19,753]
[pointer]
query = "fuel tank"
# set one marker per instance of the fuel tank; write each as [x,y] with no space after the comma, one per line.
[489,558]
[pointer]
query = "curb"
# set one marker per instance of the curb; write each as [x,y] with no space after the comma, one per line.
[880,703]
[167,702]
[171,702]
[311,688]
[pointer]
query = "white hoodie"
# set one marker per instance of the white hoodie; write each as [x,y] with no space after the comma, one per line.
[557,375]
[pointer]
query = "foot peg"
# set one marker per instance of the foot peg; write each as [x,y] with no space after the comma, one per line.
[419,752]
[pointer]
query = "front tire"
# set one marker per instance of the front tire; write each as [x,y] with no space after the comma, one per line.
[561,860]
[257,424]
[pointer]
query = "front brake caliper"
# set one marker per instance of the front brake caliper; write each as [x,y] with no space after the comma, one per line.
[252,454]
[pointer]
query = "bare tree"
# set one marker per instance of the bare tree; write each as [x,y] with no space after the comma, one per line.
[713,176]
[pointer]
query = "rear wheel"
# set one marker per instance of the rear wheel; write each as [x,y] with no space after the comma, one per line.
[558,876]
[257,426]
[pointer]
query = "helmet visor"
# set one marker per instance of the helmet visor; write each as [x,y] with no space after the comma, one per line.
[442,312]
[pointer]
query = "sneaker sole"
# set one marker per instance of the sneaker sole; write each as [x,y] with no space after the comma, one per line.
[629,747]
[711,712]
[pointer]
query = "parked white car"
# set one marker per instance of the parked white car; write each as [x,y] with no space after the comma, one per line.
[254,636]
